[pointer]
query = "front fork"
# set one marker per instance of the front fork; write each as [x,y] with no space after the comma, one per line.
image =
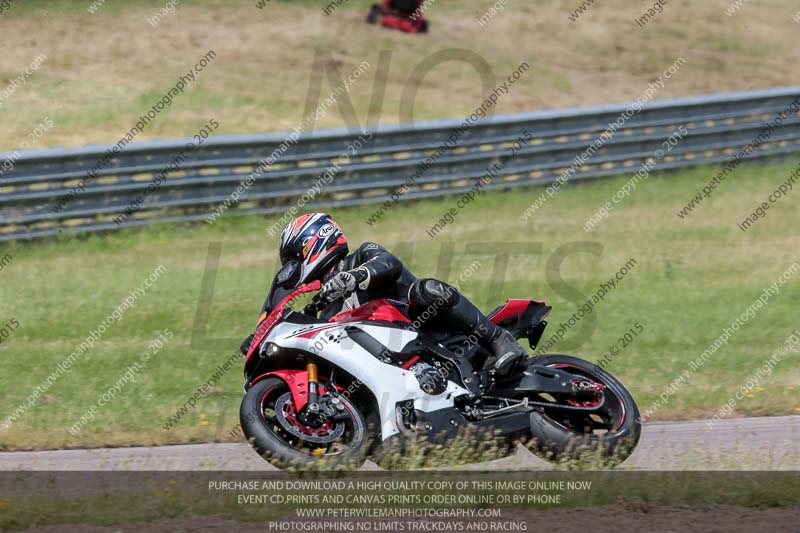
[313,388]
[315,413]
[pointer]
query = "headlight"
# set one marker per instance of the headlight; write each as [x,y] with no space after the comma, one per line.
[270,349]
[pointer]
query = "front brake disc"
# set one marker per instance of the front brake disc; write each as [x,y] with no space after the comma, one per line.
[287,417]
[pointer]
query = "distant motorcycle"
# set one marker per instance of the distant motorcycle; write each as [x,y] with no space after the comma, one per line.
[336,392]
[403,15]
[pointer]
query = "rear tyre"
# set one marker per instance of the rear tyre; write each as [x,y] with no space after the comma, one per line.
[270,423]
[608,434]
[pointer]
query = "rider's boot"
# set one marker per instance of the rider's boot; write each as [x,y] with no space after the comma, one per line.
[507,352]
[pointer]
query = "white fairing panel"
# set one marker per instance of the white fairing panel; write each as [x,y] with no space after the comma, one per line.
[389,384]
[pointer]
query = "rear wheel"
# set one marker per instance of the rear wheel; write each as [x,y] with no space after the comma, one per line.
[607,426]
[270,422]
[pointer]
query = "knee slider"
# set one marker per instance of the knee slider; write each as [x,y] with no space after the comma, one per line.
[426,292]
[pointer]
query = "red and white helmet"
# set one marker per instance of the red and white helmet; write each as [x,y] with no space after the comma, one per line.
[311,244]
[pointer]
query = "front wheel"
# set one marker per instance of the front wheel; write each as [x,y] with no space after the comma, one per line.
[605,426]
[271,424]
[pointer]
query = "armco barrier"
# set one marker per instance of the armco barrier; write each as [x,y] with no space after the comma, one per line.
[718,126]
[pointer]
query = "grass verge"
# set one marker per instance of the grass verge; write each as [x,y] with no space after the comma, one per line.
[105,69]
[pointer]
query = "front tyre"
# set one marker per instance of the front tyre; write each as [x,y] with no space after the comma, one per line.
[270,423]
[608,430]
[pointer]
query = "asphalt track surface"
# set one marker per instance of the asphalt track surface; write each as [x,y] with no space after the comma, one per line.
[771,443]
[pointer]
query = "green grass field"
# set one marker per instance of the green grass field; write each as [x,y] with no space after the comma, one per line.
[103,70]
[692,278]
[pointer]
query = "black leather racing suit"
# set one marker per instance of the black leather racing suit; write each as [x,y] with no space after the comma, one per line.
[388,278]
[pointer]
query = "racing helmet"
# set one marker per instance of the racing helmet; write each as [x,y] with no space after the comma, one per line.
[310,244]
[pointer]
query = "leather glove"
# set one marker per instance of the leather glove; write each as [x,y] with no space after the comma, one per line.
[338,287]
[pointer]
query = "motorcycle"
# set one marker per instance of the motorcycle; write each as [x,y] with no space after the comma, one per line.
[335,392]
[404,15]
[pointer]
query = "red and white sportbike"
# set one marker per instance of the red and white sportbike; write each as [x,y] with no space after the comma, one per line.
[335,392]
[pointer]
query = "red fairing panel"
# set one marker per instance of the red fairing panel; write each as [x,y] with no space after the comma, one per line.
[379,309]
[269,322]
[401,23]
[297,380]
[513,308]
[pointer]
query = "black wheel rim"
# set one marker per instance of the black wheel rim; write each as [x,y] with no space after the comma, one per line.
[608,419]
[297,437]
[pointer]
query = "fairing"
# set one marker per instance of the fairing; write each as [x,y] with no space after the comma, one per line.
[388,384]
[380,309]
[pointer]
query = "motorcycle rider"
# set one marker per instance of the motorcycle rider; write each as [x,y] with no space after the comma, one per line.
[313,247]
